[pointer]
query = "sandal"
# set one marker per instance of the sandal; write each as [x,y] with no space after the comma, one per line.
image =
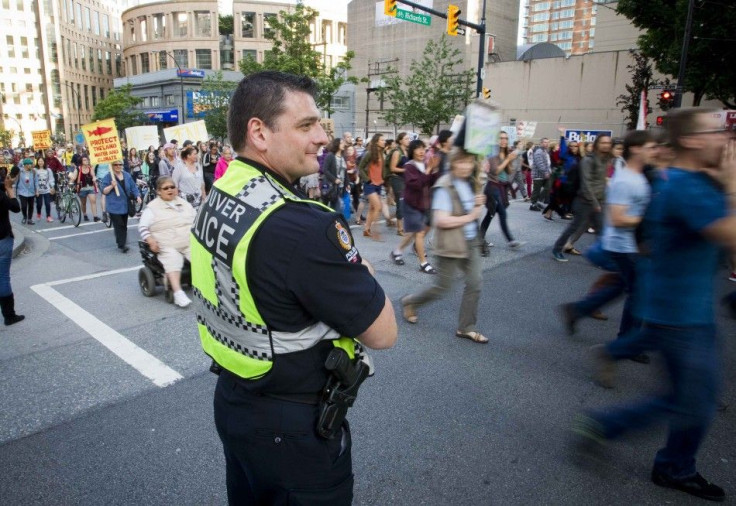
[408,311]
[398,259]
[427,269]
[400,233]
[474,336]
[573,251]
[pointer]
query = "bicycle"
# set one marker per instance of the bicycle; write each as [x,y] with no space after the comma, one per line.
[145,188]
[67,203]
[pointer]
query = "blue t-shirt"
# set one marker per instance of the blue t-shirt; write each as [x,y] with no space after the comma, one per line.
[677,281]
[441,201]
[630,189]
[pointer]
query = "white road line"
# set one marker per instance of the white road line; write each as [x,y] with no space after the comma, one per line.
[84,233]
[83,224]
[91,276]
[149,366]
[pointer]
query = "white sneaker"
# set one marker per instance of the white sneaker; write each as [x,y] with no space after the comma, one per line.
[181,299]
[516,244]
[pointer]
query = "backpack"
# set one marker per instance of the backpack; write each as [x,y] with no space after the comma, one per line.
[387,163]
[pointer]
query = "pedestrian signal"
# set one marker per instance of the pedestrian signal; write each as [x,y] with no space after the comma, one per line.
[486,93]
[666,99]
[389,8]
[453,19]
[660,120]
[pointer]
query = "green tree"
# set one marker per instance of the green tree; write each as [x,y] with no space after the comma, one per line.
[6,137]
[120,104]
[225,25]
[710,71]
[433,93]
[641,79]
[214,98]
[293,53]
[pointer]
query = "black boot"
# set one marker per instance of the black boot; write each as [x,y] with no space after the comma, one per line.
[8,307]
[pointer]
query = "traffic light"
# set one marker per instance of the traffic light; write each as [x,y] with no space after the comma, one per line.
[389,8]
[666,99]
[486,93]
[453,19]
[660,120]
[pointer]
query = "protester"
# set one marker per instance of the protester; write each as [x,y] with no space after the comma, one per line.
[86,185]
[456,208]
[223,162]
[168,161]
[334,172]
[371,173]
[8,204]
[118,186]
[26,189]
[45,187]
[188,177]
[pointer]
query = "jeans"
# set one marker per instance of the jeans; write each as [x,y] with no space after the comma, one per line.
[583,213]
[540,190]
[45,199]
[26,206]
[397,185]
[6,256]
[446,268]
[498,208]
[520,181]
[693,370]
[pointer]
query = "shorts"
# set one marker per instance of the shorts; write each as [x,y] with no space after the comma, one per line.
[87,190]
[173,259]
[414,219]
[369,188]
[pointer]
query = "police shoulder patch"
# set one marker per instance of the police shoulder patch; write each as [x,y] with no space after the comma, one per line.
[339,234]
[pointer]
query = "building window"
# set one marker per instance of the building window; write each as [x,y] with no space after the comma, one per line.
[97,23]
[76,59]
[342,30]
[99,61]
[159,26]
[267,29]
[180,55]
[162,60]
[86,97]
[94,96]
[340,102]
[24,47]
[544,6]
[83,57]
[145,63]
[543,27]
[170,100]
[567,3]
[327,31]
[108,63]
[118,64]
[19,5]
[250,53]
[144,28]
[11,46]
[542,16]
[155,101]
[567,13]
[204,58]
[91,60]
[202,24]
[247,24]
[181,22]
[106,26]
[87,19]
[566,24]
[70,11]
[79,15]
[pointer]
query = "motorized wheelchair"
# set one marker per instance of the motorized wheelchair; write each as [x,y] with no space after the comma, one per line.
[152,274]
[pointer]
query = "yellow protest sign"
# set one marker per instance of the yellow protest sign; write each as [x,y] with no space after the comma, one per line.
[103,141]
[41,139]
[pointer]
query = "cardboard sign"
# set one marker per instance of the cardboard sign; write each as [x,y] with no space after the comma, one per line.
[482,126]
[328,125]
[141,137]
[585,135]
[41,139]
[195,132]
[102,141]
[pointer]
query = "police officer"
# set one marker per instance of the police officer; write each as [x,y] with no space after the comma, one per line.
[279,285]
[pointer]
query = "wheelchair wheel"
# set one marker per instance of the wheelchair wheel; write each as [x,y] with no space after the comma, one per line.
[169,295]
[147,281]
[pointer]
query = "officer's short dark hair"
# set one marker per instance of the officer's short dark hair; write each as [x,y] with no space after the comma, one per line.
[261,95]
[635,139]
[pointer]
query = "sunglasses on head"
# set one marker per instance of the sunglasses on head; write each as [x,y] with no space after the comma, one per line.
[117,164]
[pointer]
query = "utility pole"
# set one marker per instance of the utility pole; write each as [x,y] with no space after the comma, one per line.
[683,55]
[374,69]
[181,84]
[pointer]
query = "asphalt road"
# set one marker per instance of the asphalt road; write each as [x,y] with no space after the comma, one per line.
[443,421]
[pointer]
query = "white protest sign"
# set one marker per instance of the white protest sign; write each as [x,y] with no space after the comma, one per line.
[140,137]
[195,131]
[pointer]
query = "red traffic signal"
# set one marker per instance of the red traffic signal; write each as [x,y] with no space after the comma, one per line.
[667,95]
[660,120]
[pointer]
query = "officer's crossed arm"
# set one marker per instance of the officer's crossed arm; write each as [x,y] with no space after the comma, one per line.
[383,332]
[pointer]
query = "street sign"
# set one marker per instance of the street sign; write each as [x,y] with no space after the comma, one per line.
[461,31]
[414,17]
[79,138]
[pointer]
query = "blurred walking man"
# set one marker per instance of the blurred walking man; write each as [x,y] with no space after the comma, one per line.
[692,216]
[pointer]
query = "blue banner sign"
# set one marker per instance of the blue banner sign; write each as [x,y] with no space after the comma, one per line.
[190,73]
[585,135]
[165,116]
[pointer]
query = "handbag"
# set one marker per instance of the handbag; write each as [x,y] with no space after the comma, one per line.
[130,198]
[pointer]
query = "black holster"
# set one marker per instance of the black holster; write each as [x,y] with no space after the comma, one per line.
[340,392]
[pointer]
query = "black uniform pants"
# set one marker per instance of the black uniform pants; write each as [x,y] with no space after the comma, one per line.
[273,454]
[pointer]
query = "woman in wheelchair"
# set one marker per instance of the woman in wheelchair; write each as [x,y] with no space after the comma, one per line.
[165,225]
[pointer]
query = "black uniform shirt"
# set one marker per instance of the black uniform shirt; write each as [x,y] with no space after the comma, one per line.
[304,268]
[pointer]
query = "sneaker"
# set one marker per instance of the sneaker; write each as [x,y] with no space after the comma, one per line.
[123,249]
[732,277]
[516,244]
[588,443]
[86,218]
[49,219]
[24,221]
[534,207]
[181,299]
[641,358]
[591,230]
[695,485]
[485,249]
[96,219]
[557,255]
[30,222]
[569,317]
[605,366]
[38,216]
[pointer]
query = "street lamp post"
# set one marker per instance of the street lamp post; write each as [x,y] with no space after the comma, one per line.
[70,87]
[181,83]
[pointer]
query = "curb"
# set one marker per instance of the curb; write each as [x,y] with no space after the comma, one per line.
[19,241]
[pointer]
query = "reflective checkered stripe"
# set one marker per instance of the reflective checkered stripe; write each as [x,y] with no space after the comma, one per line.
[231,329]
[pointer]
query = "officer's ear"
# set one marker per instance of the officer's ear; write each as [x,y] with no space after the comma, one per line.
[257,134]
